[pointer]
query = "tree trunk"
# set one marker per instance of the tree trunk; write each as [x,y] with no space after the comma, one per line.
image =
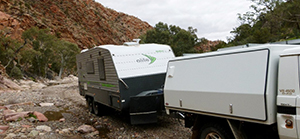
[61,67]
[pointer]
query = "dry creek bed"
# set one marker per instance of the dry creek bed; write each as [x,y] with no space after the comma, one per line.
[69,112]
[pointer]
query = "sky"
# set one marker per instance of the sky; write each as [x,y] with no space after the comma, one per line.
[213,19]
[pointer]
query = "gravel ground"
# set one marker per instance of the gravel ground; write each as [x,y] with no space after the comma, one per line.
[70,108]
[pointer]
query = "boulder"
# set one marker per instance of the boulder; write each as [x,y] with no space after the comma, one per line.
[43,128]
[65,131]
[62,120]
[3,128]
[41,117]
[3,108]
[86,129]
[9,84]
[14,116]
[90,135]
[10,136]
[33,133]
[32,120]
[20,110]
[46,104]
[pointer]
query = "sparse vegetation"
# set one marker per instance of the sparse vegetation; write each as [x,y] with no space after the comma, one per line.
[181,41]
[270,21]
[40,50]
[16,73]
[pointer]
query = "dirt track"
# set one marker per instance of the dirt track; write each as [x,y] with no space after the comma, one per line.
[70,108]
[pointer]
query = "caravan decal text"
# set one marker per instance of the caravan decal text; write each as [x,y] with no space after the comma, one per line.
[150,59]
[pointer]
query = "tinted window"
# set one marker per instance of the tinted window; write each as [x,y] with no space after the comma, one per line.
[90,67]
[101,68]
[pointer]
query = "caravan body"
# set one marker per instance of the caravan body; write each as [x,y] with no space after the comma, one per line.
[113,75]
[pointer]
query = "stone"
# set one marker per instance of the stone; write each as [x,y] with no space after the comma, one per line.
[10,84]
[19,104]
[33,133]
[26,126]
[18,130]
[41,117]
[19,134]
[32,120]
[46,104]
[23,130]
[86,129]
[14,116]
[90,135]
[65,131]
[43,128]
[42,134]
[19,110]
[24,136]
[13,124]
[5,112]
[10,136]
[4,127]
[38,86]
[62,120]
[3,108]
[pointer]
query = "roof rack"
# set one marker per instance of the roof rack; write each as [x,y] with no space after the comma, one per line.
[293,42]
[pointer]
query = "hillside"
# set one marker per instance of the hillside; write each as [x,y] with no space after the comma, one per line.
[83,22]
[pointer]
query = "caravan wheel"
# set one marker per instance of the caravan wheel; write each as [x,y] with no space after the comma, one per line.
[89,103]
[96,108]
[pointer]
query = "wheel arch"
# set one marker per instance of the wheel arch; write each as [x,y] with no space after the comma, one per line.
[203,120]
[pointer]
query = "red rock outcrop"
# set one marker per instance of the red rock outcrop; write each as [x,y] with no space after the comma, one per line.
[207,46]
[84,22]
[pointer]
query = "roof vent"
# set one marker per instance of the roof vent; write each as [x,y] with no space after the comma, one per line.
[134,42]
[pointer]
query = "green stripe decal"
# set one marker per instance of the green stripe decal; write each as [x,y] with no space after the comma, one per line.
[102,84]
[107,85]
[151,58]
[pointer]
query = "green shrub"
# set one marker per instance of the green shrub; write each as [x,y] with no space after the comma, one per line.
[16,73]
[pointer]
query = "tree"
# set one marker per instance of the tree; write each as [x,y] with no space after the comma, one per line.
[9,51]
[270,21]
[43,43]
[48,52]
[181,41]
[67,52]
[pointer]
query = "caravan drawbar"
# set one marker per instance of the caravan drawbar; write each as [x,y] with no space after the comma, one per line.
[128,78]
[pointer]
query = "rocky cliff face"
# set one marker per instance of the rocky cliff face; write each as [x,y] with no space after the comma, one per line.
[84,22]
[208,46]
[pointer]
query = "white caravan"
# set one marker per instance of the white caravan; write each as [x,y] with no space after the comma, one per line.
[250,92]
[128,78]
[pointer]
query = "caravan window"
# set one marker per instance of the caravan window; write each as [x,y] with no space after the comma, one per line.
[80,66]
[90,67]
[101,68]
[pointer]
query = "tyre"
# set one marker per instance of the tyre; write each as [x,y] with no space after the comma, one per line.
[96,108]
[89,102]
[214,131]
